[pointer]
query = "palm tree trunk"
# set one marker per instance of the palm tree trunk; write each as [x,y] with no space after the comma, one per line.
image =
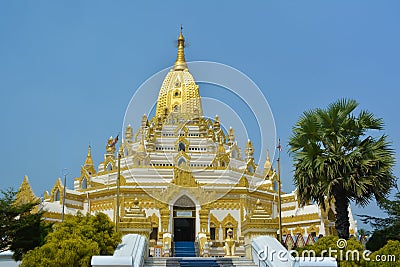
[342,214]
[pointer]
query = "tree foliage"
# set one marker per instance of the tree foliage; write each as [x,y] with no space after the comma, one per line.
[378,239]
[385,228]
[335,158]
[363,233]
[75,241]
[387,256]
[21,228]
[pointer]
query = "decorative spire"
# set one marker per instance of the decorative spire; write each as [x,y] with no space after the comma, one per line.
[89,160]
[145,121]
[267,164]
[231,136]
[180,63]
[141,148]
[25,193]
[249,149]
[217,125]
[88,167]
[267,172]
[129,133]
[221,148]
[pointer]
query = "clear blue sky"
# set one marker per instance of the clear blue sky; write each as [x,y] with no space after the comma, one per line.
[69,68]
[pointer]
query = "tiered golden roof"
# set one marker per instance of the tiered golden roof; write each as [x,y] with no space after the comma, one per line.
[179,94]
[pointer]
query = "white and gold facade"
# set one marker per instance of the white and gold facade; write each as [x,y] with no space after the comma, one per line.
[181,174]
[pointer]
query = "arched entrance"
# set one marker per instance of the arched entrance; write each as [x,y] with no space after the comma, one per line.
[184,220]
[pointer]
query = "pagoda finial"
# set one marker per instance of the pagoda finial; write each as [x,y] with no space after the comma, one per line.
[180,63]
[221,148]
[88,167]
[267,165]
[89,160]
[249,149]
[141,148]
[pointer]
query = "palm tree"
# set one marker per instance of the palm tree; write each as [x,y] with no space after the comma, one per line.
[336,159]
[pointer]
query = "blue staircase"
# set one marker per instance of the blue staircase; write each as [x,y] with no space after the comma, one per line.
[184,249]
[186,254]
[200,262]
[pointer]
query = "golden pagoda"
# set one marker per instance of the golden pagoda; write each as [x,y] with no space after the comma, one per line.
[182,176]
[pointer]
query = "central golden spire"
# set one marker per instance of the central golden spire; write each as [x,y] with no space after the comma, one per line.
[180,63]
[179,93]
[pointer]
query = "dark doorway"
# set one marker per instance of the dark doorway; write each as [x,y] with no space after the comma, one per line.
[184,229]
[212,233]
[154,234]
[184,224]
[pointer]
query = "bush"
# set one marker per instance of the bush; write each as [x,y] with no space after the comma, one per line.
[75,241]
[391,248]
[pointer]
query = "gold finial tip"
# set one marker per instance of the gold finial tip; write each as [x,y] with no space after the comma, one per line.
[180,63]
[136,201]
[258,202]
[181,31]
[181,38]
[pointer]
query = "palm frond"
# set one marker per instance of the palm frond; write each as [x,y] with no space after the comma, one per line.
[330,149]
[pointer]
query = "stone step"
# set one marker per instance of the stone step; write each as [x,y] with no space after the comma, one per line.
[172,262]
[237,262]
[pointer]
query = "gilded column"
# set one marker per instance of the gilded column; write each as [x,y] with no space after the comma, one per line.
[243,207]
[164,213]
[203,214]
[122,206]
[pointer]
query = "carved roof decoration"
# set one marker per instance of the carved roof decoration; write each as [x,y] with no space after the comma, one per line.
[184,201]
[229,221]
[25,193]
[183,177]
